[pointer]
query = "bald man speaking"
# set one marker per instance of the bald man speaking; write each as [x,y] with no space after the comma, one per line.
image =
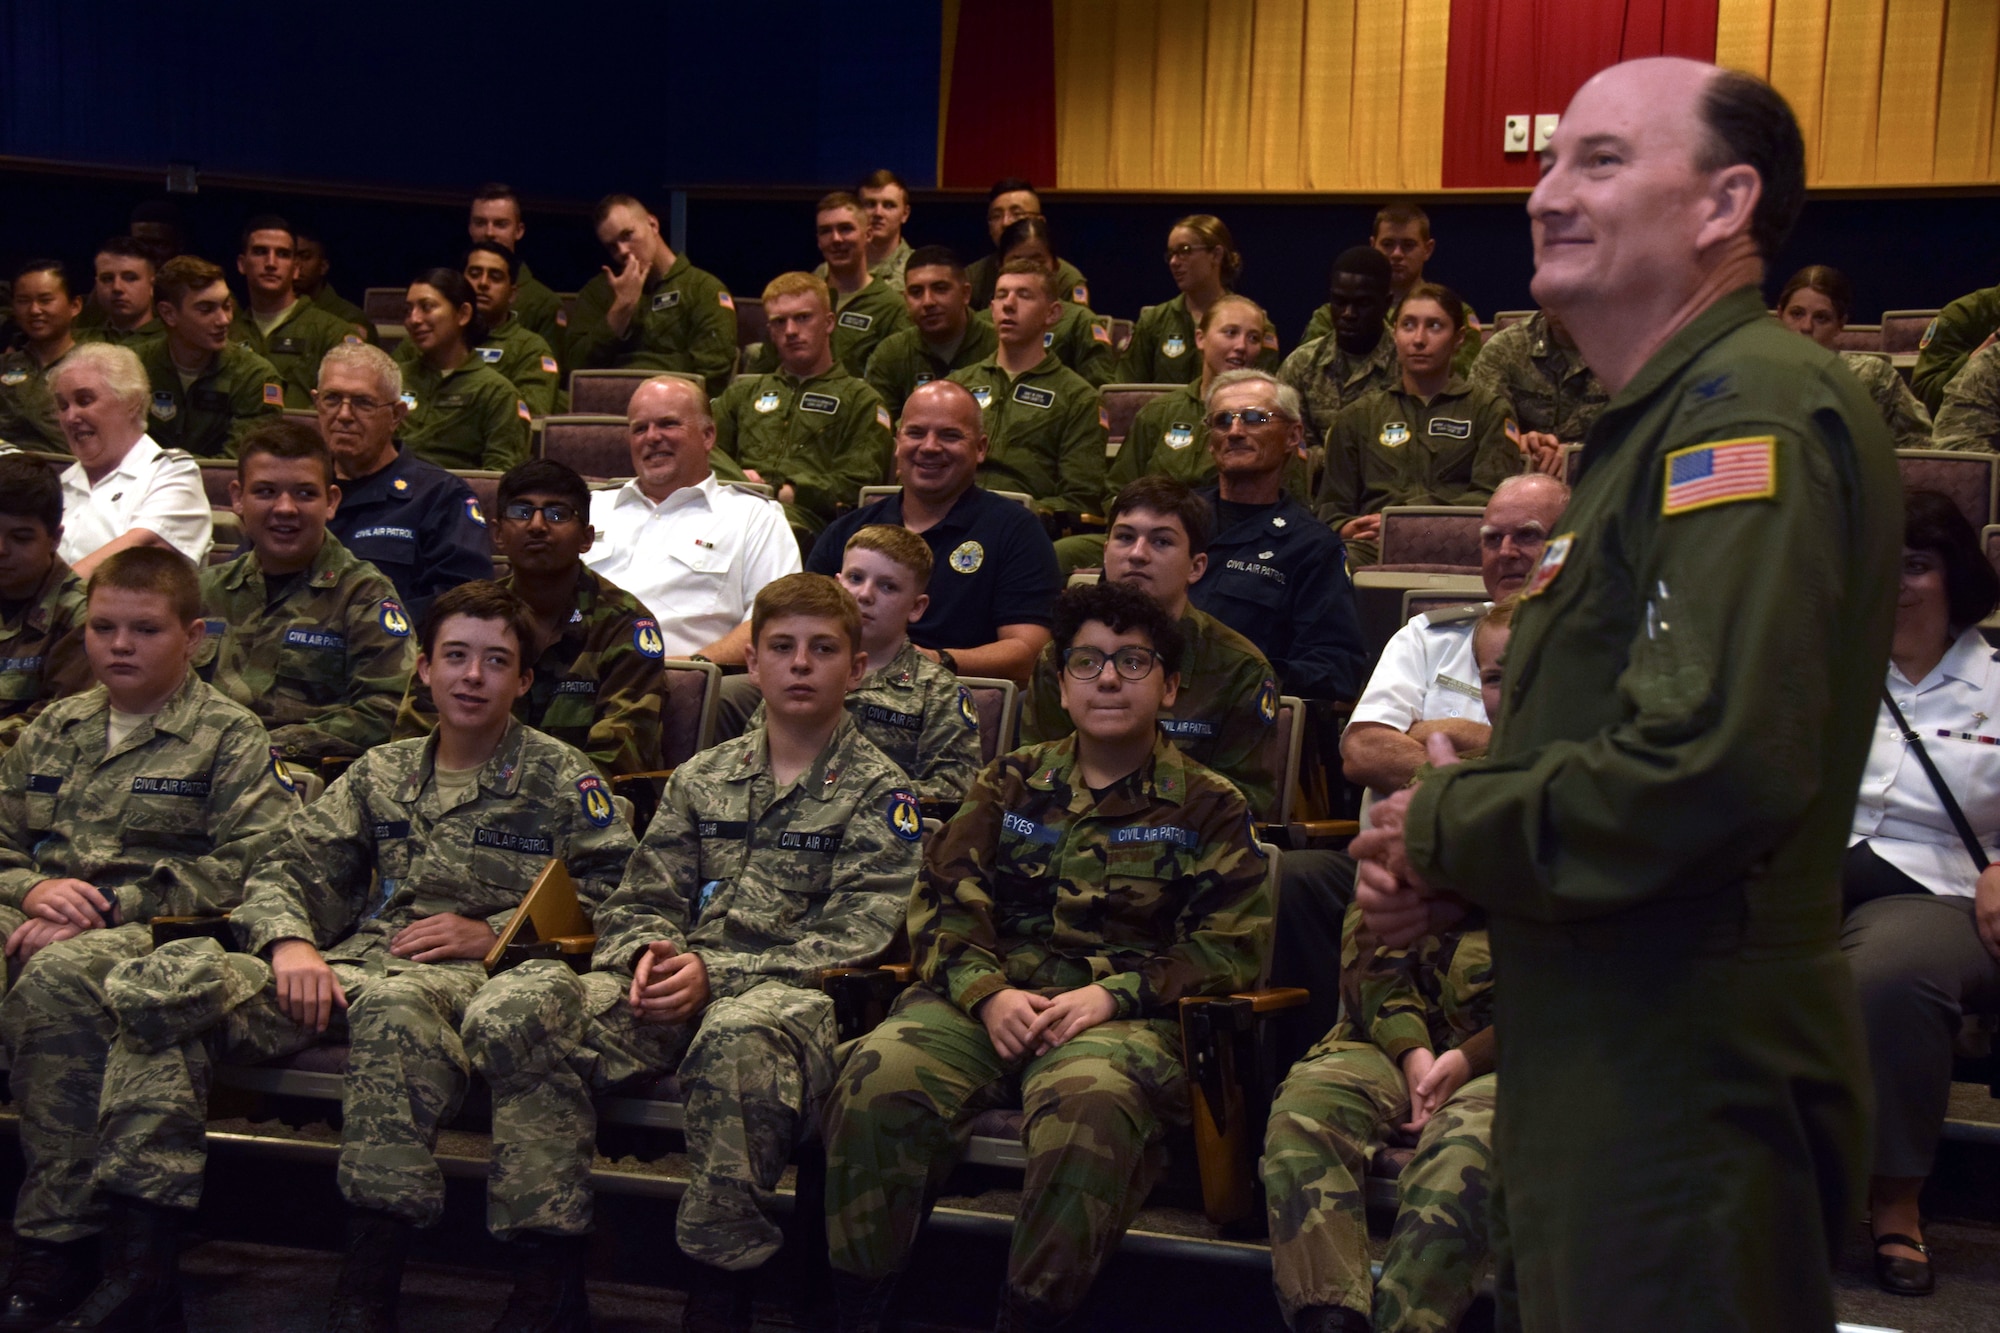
[1656,834]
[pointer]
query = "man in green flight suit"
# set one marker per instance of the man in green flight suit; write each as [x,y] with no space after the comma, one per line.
[654,310]
[310,267]
[867,309]
[120,309]
[510,347]
[809,429]
[1656,833]
[277,323]
[1967,326]
[1045,428]
[496,219]
[942,335]
[1010,200]
[45,311]
[208,392]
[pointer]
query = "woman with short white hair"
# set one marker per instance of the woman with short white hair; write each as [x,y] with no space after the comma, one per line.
[123,490]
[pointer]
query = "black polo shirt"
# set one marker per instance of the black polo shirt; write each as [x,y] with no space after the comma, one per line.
[991,565]
[418,524]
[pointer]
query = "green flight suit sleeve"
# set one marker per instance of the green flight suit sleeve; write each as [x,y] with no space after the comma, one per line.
[827,481]
[1720,746]
[887,371]
[711,331]
[1080,457]
[380,665]
[1498,458]
[534,379]
[1339,497]
[1084,351]
[250,407]
[1136,365]
[592,344]
[1950,341]
[724,412]
[504,421]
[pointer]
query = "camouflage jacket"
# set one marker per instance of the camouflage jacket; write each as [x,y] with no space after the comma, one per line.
[1909,421]
[1969,417]
[1328,379]
[598,686]
[1437,993]
[41,652]
[324,666]
[1549,386]
[167,822]
[1154,891]
[380,849]
[764,884]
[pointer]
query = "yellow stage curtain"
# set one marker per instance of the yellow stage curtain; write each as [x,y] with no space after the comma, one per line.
[1250,94]
[1888,92]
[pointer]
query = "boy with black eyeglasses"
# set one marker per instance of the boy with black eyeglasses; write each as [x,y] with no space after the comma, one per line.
[598,680]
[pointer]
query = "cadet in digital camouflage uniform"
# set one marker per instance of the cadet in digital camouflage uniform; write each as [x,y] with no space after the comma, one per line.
[657,311]
[598,681]
[1045,425]
[463,414]
[455,829]
[1221,716]
[1816,302]
[1357,353]
[1406,1013]
[495,216]
[1202,256]
[276,323]
[148,794]
[45,311]
[300,632]
[773,857]
[1534,367]
[1401,234]
[1055,931]
[523,358]
[1970,416]
[808,429]
[1962,328]
[943,336]
[233,388]
[41,639]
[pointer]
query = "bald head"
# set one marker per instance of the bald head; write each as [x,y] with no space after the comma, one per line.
[1523,512]
[940,442]
[671,433]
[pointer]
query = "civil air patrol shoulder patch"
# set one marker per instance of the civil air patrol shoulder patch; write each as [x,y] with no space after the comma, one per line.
[646,638]
[472,510]
[904,816]
[968,711]
[596,801]
[1267,701]
[284,775]
[967,557]
[395,621]
[1554,556]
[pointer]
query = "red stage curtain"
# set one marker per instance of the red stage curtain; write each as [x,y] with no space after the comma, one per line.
[1001,117]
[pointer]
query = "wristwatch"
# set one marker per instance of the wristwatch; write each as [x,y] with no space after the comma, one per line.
[947,661]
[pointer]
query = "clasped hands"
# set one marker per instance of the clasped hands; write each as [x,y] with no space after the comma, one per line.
[1020,1022]
[1397,905]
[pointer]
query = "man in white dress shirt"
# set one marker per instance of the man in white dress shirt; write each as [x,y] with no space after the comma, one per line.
[123,490]
[694,550]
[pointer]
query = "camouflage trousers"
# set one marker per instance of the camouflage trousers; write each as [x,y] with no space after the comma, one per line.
[1097,1111]
[754,1071]
[10,920]
[57,1029]
[1334,1107]
[189,1005]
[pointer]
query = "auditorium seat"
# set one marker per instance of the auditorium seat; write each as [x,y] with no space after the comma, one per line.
[1431,538]
[687,712]
[386,305]
[998,703]
[1425,601]
[1859,338]
[1902,330]
[1989,540]
[1121,335]
[1123,401]
[596,446]
[1503,318]
[609,392]
[304,416]
[751,326]
[1967,478]
[216,474]
[486,488]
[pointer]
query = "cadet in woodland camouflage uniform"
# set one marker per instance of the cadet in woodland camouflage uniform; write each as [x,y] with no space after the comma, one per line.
[402,872]
[1084,887]
[148,794]
[41,642]
[300,632]
[773,857]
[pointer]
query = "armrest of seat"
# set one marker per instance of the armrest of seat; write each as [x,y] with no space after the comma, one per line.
[1229,1090]
[862,995]
[167,929]
[647,775]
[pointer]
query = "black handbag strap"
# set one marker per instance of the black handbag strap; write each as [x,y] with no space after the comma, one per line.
[1958,820]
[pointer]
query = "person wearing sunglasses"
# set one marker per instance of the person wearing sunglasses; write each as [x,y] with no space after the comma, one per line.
[598,682]
[1202,257]
[1434,439]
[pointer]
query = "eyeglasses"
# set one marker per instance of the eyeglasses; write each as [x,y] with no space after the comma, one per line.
[333,400]
[1183,251]
[1252,416]
[1529,539]
[520,511]
[1133,663]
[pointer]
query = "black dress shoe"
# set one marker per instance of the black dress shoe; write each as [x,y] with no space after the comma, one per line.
[1900,1276]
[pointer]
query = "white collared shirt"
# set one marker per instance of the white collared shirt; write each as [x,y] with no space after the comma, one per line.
[696,559]
[150,488]
[1956,712]
[1427,673]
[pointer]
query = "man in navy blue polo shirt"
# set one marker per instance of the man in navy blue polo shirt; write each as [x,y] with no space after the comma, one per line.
[994,578]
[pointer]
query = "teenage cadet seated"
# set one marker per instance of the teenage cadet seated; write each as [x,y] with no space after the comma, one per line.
[121,299]
[1401,234]
[310,266]
[1221,717]
[410,519]
[866,308]
[942,337]
[1275,573]
[1045,430]
[1080,340]
[694,550]
[1969,324]
[1040,975]
[1922,932]
[463,413]
[41,599]
[523,358]
[45,312]
[1817,302]
[596,652]
[1204,262]
[148,794]
[278,324]
[773,857]
[365,920]
[1356,355]
[809,429]
[1969,417]
[123,490]
[495,219]
[1010,200]
[300,632]
[1415,1054]
[886,201]
[910,707]
[650,309]
[1535,367]
[208,391]
[1432,439]
[993,575]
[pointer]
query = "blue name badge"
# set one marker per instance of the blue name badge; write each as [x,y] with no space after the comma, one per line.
[1022,827]
[1187,727]
[1180,837]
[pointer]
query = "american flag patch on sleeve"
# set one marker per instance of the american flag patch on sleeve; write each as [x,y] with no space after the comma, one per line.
[1720,473]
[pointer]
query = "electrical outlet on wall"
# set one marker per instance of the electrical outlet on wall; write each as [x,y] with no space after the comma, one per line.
[1514,136]
[1545,130]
